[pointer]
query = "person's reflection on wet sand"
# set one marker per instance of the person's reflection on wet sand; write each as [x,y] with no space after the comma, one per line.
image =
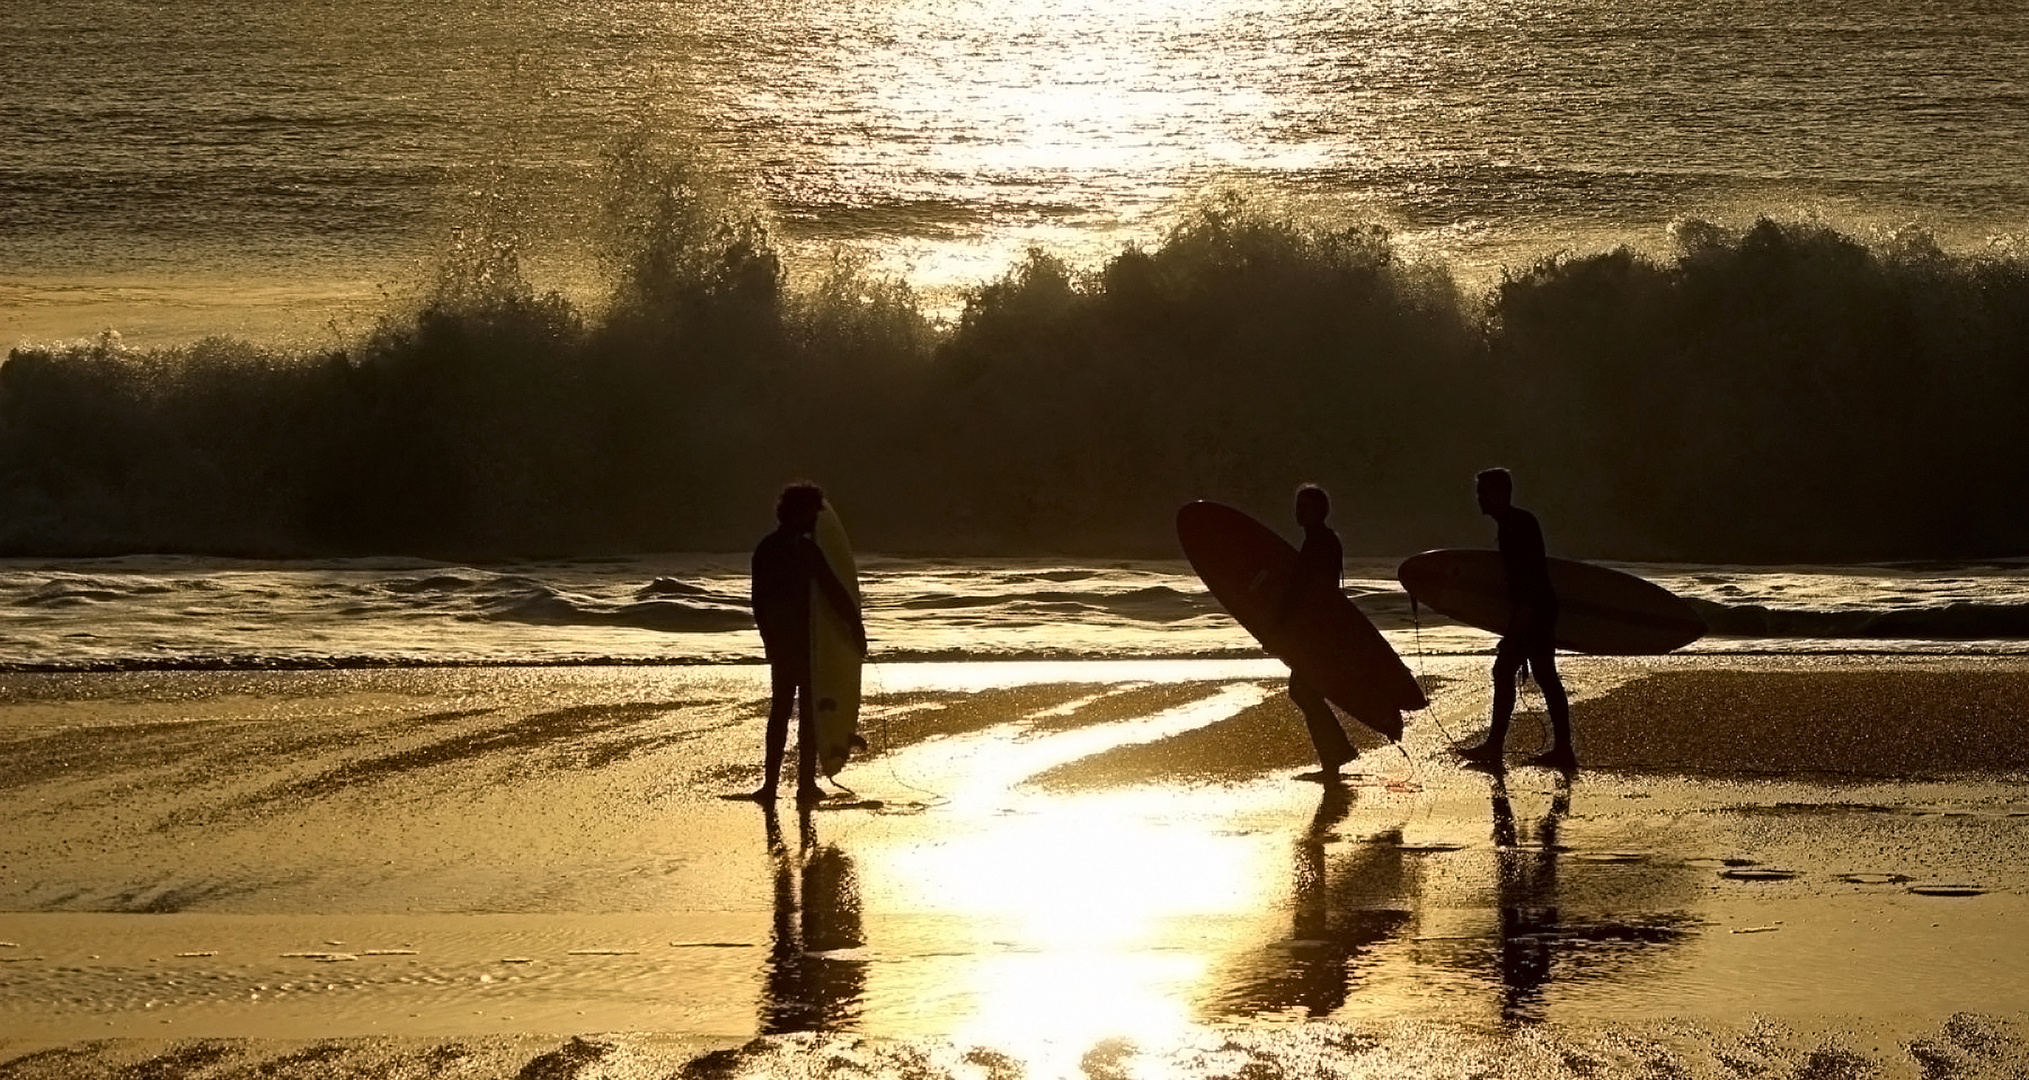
[1526,889]
[1336,916]
[817,913]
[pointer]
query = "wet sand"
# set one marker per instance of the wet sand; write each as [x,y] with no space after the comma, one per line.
[1770,866]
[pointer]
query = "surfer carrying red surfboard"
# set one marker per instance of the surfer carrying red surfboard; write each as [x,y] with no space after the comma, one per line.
[786,563]
[1320,564]
[1530,639]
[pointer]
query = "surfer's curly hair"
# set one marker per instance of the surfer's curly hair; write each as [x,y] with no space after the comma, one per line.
[799,499]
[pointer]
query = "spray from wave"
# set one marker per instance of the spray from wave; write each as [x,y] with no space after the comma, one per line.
[1779,392]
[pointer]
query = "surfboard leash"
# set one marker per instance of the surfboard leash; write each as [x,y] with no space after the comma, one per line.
[934,798]
[1422,675]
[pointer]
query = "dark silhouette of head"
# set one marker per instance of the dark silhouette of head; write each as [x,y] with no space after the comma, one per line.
[1495,489]
[1312,505]
[798,506]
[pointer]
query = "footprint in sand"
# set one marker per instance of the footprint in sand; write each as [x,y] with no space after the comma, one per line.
[1759,873]
[1946,888]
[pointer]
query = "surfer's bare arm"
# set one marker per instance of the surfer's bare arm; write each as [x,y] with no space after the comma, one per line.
[776,580]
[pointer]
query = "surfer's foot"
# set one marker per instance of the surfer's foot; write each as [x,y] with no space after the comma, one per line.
[810,794]
[1483,756]
[1560,758]
[760,795]
[1320,776]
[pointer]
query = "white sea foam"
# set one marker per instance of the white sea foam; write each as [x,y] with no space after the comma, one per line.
[142,612]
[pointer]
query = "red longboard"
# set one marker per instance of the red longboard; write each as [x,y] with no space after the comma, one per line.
[1327,642]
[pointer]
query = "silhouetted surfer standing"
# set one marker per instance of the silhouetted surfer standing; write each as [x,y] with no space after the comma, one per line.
[1532,628]
[787,562]
[1320,563]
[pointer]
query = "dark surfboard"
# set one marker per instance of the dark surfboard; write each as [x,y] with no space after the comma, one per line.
[1328,642]
[1599,610]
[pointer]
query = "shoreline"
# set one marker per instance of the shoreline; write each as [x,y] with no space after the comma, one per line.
[1944,650]
[529,869]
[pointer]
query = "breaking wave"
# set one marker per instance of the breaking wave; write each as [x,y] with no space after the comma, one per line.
[1783,391]
[1955,621]
[669,616]
[157,612]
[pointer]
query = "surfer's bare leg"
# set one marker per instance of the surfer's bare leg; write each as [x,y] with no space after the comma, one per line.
[1327,735]
[782,698]
[1508,661]
[806,745]
[1562,754]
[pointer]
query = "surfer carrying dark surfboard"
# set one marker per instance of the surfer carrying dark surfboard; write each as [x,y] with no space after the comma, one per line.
[786,563]
[1320,564]
[1530,640]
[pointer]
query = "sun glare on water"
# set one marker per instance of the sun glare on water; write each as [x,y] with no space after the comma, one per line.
[1095,919]
[1024,110]
[1091,913]
[1092,87]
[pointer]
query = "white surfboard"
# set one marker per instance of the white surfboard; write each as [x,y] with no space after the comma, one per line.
[834,655]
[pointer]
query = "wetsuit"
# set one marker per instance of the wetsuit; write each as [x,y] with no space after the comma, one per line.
[1319,565]
[1520,539]
[1531,638]
[786,563]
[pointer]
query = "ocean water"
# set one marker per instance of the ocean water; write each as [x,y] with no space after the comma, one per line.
[161,612]
[280,171]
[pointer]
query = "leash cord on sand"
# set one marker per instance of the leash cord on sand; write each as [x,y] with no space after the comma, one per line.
[1422,677]
[887,747]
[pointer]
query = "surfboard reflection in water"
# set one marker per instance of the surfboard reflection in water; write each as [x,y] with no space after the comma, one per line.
[809,984]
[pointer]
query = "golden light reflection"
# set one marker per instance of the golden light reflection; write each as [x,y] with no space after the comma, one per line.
[1094,877]
[978,773]
[1093,86]
[1095,916]
[1098,917]
[1071,1001]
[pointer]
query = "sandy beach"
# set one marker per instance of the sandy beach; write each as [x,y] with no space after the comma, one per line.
[1041,869]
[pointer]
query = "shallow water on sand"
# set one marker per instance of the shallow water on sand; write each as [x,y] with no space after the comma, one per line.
[1038,864]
